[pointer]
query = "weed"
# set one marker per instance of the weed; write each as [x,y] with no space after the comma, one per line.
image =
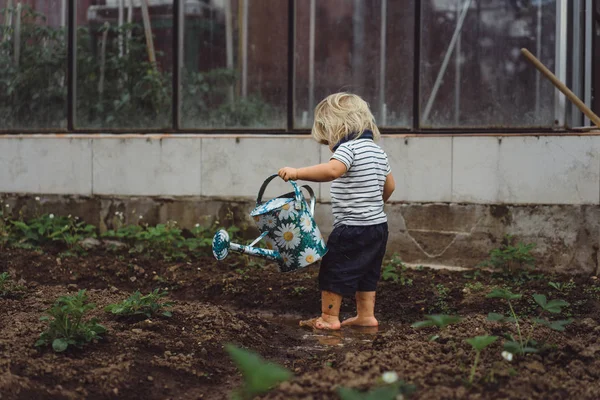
[526,344]
[148,305]
[510,258]
[7,286]
[440,320]
[395,271]
[259,375]
[479,343]
[67,325]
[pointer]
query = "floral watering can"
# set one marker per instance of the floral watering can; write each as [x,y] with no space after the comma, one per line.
[288,228]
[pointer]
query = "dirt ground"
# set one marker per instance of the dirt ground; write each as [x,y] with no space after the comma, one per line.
[258,308]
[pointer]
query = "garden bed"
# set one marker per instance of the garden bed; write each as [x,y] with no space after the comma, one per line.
[253,306]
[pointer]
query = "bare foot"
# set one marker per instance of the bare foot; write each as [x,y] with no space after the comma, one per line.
[361,321]
[321,323]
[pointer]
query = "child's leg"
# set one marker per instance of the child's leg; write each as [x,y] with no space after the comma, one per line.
[330,312]
[365,311]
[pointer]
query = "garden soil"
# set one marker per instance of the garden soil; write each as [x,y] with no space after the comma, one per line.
[254,306]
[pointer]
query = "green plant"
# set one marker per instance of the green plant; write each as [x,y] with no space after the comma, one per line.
[48,228]
[526,344]
[7,286]
[440,304]
[137,304]
[474,287]
[67,325]
[5,225]
[298,290]
[166,240]
[563,287]
[391,389]
[259,375]
[395,270]
[440,320]
[510,258]
[593,291]
[479,343]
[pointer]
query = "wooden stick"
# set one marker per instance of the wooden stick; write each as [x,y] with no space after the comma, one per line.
[148,32]
[562,87]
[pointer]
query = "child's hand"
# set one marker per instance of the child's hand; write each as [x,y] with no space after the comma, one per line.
[288,173]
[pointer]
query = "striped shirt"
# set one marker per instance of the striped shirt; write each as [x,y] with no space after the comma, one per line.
[357,196]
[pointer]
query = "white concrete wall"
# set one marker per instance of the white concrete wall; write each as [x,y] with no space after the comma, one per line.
[463,169]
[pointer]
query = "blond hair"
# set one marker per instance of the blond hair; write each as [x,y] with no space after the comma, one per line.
[341,114]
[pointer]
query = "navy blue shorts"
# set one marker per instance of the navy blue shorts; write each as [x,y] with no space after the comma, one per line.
[353,261]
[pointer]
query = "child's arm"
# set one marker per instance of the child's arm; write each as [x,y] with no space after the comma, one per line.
[388,187]
[325,172]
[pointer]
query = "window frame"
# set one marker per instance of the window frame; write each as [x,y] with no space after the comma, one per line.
[176,127]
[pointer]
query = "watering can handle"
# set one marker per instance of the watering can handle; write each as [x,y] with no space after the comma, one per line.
[298,193]
[313,200]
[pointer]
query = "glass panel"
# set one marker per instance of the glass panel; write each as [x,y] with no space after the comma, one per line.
[234,71]
[33,65]
[343,45]
[487,82]
[124,64]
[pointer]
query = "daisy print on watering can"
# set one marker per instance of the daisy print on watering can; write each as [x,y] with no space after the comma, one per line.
[290,228]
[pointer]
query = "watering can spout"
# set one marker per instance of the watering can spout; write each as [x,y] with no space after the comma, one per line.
[221,246]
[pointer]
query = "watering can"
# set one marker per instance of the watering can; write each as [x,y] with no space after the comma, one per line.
[287,227]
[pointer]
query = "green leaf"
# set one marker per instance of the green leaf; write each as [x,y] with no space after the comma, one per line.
[422,324]
[481,342]
[387,392]
[555,306]
[259,375]
[554,325]
[540,299]
[495,317]
[350,394]
[512,347]
[60,345]
[439,320]
[167,314]
[433,338]
[498,293]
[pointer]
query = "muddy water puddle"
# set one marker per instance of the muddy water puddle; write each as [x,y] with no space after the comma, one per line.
[321,340]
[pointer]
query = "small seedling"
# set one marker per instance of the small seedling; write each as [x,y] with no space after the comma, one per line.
[395,271]
[148,305]
[563,287]
[441,300]
[439,320]
[391,390]
[474,287]
[67,325]
[527,344]
[298,290]
[509,258]
[7,286]
[479,343]
[259,375]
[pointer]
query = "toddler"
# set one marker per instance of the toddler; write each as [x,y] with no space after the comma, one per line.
[362,183]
